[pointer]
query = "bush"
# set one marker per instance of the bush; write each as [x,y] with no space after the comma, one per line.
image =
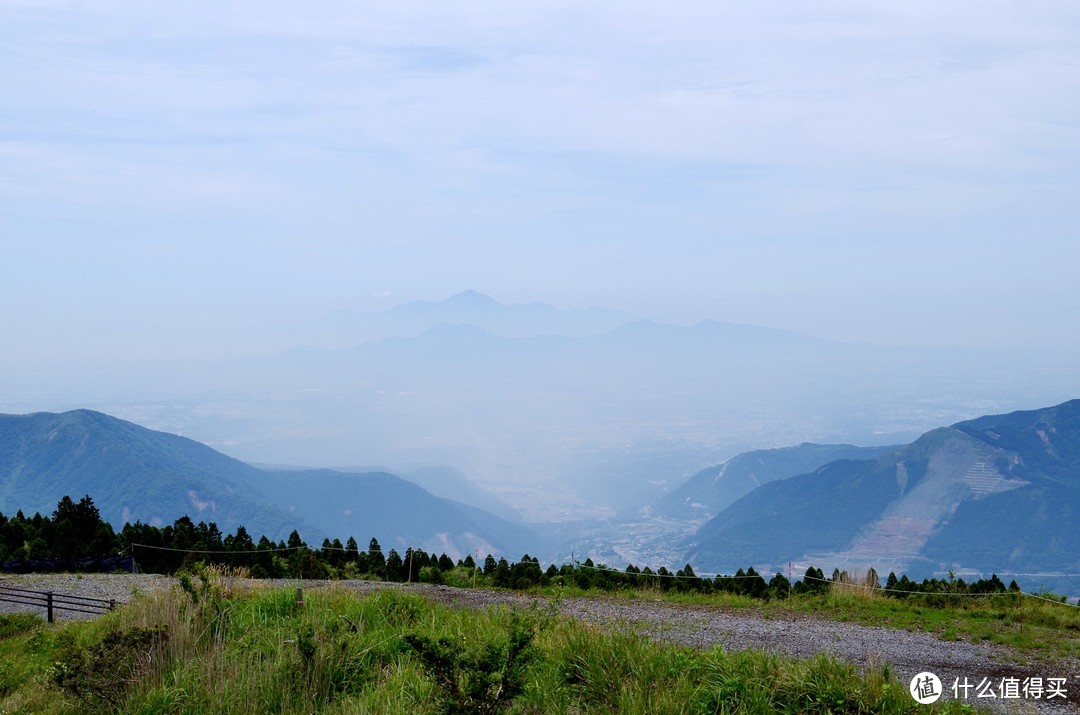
[482,678]
[103,672]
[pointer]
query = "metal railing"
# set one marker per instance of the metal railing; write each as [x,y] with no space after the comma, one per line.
[52,601]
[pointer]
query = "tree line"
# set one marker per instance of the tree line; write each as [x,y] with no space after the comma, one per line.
[76,531]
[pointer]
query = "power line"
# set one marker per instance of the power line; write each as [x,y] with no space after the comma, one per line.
[704,576]
[1050,600]
[218,553]
[878,589]
[696,576]
[226,552]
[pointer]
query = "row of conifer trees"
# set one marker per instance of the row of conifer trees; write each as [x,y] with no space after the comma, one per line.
[75,531]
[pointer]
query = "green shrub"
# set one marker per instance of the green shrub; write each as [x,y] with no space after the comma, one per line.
[103,672]
[478,677]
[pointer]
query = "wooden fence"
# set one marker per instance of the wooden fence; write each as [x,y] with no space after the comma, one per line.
[52,601]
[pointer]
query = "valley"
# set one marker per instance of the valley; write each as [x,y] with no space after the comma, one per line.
[937,505]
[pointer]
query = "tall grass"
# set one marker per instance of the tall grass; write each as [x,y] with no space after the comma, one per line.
[856,585]
[233,648]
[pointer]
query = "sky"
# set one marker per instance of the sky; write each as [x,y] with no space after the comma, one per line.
[187,178]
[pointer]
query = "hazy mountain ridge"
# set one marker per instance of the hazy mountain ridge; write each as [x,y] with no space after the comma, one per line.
[998,493]
[346,328]
[560,398]
[449,483]
[521,411]
[137,474]
[510,320]
[398,512]
[994,494]
[715,488]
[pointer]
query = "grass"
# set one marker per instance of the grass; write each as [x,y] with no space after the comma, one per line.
[202,649]
[1040,629]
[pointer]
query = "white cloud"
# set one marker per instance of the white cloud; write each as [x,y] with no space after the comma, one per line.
[509,140]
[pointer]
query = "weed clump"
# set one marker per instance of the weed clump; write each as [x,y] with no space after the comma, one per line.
[482,678]
[102,673]
[17,624]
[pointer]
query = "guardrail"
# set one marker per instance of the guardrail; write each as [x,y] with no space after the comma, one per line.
[52,601]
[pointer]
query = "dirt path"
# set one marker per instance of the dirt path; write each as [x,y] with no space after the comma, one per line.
[802,636]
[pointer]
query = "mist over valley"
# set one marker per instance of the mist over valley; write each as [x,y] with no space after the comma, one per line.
[558,432]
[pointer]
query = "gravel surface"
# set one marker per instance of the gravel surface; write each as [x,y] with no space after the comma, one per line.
[802,636]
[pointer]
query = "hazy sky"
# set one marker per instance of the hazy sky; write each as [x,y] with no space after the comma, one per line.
[182,176]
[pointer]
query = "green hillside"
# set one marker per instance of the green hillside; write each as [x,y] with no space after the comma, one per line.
[401,513]
[1029,529]
[712,490]
[134,473]
[996,494]
[137,474]
[819,511]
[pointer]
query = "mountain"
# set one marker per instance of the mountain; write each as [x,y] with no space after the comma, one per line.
[440,480]
[349,328]
[399,513]
[132,473]
[137,474]
[562,418]
[715,488]
[1034,528]
[551,415]
[511,320]
[449,483]
[995,494]
[539,407]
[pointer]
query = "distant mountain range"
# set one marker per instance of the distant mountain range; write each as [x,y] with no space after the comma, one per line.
[349,328]
[561,401]
[565,414]
[137,474]
[995,494]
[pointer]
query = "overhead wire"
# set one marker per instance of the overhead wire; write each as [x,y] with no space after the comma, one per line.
[643,573]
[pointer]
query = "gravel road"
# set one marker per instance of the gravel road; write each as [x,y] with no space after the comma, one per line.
[908,653]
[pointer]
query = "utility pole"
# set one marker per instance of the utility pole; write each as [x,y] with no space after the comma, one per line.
[1020,598]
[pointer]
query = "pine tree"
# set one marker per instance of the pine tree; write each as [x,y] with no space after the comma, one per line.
[755,584]
[336,556]
[376,558]
[352,549]
[501,576]
[779,586]
[75,530]
[394,566]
